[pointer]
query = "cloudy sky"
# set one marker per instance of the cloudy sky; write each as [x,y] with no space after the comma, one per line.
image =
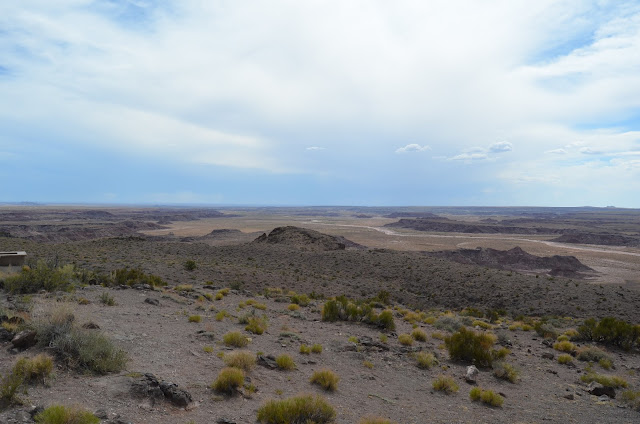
[345,102]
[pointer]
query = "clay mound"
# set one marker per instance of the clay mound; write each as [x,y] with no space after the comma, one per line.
[423,215]
[224,232]
[601,239]
[517,259]
[442,225]
[74,232]
[305,239]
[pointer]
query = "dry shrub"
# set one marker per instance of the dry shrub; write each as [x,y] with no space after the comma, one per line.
[242,359]
[297,410]
[228,381]
[326,379]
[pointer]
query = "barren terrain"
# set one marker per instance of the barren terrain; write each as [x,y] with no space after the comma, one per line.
[521,272]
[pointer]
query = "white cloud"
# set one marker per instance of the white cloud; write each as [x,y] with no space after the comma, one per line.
[315,148]
[501,146]
[590,151]
[557,152]
[470,157]
[413,148]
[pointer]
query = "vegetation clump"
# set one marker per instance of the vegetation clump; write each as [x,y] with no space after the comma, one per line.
[506,371]
[614,381]
[611,331]
[235,339]
[316,348]
[426,360]
[60,414]
[488,397]
[79,348]
[565,359]
[475,347]
[419,335]
[195,318]
[228,381]
[405,339]
[285,362]
[43,276]
[343,309]
[565,346]
[375,420]
[242,359]
[326,379]
[445,384]
[297,410]
[132,276]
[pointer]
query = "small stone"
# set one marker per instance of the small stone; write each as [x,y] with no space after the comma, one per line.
[472,373]
[24,339]
[150,301]
[597,389]
[569,396]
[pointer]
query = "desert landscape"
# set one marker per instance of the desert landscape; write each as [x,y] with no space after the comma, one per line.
[373,300]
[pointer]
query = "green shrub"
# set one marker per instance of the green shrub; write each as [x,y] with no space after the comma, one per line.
[195,318]
[611,331]
[221,315]
[445,384]
[331,311]
[228,381]
[419,335]
[293,307]
[38,368]
[564,346]
[343,309]
[60,414]
[285,362]
[326,379]
[565,359]
[297,410]
[448,323]
[385,320]
[544,329]
[592,354]
[9,387]
[256,325]
[42,277]
[79,348]
[632,399]
[506,371]
[190,265]
[405,339]
[130,277]
[300,299]
[468,345]
[316,348]
[488,397]
[614,381]
[235,339]
[304,349]
[375,420]
[426,360]
[106,299]
[242,359]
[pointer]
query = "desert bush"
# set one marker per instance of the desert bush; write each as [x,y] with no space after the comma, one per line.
[326,379]
[445,384]
[405,339]
[293,307]
[304,349]
[565,359]
[468,345]
[106,299]
[545,329]
[611,331]
[131,276]
[631,398]
[482,324]
[300,299]
[79,348]
[285,362]
[235,339]
[488,397]
[592,354]
[256,325]
[242,359]
[368,364]
[565,346]
[221,315]
[506,371]
[60,414]
[10,384]
[190,265]
[38,368]
[219,296]
[448,323]
[208,349]
[419,335]
[426,360]
[375,420]
[316,348]
[195,318]
[228,381]
[42,276]
[613,381]
[297,410]
[343,309]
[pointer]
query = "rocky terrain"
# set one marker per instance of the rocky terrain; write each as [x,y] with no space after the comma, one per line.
[173,335]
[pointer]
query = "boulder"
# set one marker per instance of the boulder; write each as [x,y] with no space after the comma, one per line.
[150,301]
[24,339]
[597,389]
[150,387]
[471,375]
[268,361]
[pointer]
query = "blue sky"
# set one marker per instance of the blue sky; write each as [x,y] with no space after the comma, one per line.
[321,102]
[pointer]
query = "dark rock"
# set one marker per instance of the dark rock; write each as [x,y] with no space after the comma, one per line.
[205,335]
[150,301]
[141,287]
[5,335]
[548,355]
[569,396]
[91,325]
[225,421]
[597,389]
[150,387]
[268,361]
[24,339]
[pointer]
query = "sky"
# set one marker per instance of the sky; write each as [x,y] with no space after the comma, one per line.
[333,102]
